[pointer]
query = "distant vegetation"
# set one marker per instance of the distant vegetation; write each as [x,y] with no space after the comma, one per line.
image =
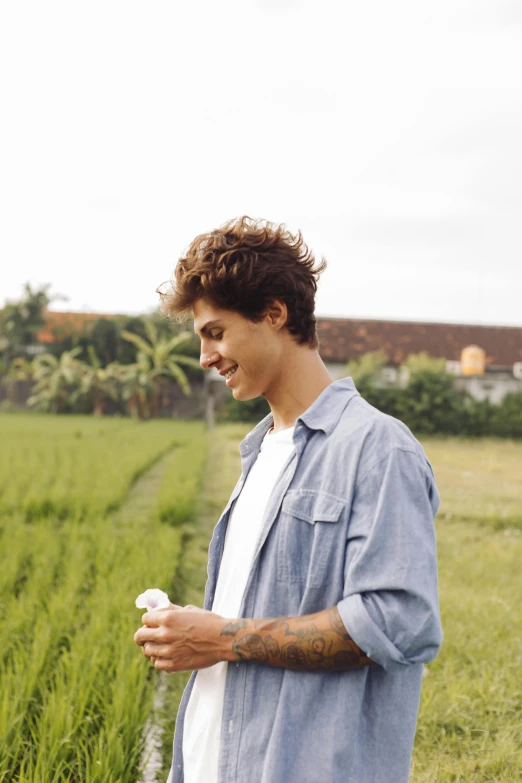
[124,364]
[428,403]
[127,364]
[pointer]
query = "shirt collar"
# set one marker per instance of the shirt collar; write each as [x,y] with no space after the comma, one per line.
[323,414]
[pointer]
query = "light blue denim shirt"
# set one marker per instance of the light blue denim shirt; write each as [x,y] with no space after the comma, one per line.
[350,523]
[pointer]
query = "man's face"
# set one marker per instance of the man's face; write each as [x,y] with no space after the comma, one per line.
[231,342]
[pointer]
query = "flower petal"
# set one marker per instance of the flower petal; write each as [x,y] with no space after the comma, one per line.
[152,599]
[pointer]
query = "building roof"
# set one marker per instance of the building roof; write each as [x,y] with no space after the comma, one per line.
[60,324]
[342,339]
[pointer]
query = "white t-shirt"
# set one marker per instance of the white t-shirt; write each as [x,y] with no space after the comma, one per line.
[202,725]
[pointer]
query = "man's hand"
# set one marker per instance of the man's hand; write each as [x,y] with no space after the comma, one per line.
[182,638]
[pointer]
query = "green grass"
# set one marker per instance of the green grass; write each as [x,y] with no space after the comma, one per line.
[470,724]
[76,691]
[470,721]
[94,511]
[182,479]
[64,466]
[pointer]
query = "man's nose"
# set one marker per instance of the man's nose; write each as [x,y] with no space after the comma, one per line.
[208,359]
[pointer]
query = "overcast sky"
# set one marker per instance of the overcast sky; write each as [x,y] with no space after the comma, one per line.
[388,132]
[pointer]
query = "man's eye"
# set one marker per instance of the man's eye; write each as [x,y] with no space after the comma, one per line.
[217,336]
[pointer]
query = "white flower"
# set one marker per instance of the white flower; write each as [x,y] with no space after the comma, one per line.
[153,599]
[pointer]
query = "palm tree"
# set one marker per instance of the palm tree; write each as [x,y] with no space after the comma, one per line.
[21,321]
[100,383]
[57,380]
[156,363]
[138,386]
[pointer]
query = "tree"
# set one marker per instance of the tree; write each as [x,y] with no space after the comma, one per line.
[21,321]
[417,363]
[139,387]
[430,402]
[57,381]
[98,383]
[366,370]
[104,337]
[128,352]
[157,362]
[20,369]
[366,374]
[507,417]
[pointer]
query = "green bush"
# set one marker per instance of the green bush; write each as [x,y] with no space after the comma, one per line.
[507,417]
[477,418]
[386,400]
[431,404]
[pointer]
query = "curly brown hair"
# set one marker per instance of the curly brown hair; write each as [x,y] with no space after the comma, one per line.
[244,266]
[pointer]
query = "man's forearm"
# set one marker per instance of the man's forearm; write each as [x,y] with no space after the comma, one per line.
[313,641]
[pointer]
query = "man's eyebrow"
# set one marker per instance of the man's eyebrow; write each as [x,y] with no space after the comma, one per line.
[205,329]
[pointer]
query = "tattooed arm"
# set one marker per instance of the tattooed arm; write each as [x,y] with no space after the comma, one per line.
[186,638]
[314,641]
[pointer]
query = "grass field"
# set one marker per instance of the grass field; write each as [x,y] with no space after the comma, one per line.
[470,721]
[470,724]
[85,527]
[93,511]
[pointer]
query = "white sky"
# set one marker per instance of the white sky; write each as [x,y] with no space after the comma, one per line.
[390,133]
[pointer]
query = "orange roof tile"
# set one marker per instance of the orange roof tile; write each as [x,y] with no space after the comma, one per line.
[342,339]
[60,324]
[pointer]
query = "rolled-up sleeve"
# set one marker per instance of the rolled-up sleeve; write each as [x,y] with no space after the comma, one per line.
[390,605]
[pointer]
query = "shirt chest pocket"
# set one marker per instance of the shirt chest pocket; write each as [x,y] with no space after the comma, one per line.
[309,530]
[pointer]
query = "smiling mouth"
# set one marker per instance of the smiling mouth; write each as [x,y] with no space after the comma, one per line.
[230,373]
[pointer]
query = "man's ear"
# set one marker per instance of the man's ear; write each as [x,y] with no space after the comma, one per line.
[277,313]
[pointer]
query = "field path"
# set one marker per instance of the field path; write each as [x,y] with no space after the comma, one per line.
[140,505]
[221,473]
[141,499]
[220,476]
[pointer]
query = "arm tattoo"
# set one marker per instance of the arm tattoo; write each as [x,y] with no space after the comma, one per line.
[337,624]
[310,642]
[232,628]
[250,647]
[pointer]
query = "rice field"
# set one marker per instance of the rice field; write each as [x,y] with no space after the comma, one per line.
[93,511]
[84,529]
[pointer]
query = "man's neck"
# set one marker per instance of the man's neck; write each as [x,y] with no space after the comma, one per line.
[303,378]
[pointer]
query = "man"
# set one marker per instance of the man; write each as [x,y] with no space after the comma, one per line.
[321,600]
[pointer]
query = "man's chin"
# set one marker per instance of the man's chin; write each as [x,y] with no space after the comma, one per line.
[244,396]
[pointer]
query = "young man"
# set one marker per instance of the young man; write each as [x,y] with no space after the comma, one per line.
[321,600]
